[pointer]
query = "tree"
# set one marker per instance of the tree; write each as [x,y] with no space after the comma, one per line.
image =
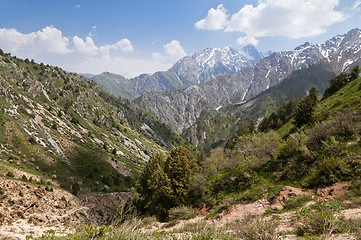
[305,109]
[354,73]
[284,113]
[179,167]
[165,183]
[337,82]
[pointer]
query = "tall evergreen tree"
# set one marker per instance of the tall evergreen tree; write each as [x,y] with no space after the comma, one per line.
[305,109]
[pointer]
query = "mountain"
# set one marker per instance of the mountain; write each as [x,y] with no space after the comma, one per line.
[87,75]
[214,128]
[205,65]
[200,67]
[64,127]
[182,108]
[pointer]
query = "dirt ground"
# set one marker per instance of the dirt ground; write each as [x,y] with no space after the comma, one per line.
[27,209]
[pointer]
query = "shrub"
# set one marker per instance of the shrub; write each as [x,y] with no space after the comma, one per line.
[179,213]
[255,228]
[10,174]
[320,218]
[345,124]
[32,140]
[355,188]
[297,202]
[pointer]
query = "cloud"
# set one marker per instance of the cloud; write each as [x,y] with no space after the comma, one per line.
[174,50]
[356,5]
[158,57]
[127,67]
[49,39]
[77,6]
[292,19]
[88,47]
[243,41]
[215,20]
[83,55]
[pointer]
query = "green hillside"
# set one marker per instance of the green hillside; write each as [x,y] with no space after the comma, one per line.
[65,127]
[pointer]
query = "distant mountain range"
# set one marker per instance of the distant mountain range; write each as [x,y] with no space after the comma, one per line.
[200,67]
[181,109]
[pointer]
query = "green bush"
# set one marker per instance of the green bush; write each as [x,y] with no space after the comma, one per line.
[181,213]
[297,202]
[255,228]
[165,183]
[10,174]
[321,218]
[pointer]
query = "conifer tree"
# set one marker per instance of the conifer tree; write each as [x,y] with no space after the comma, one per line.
[305,109]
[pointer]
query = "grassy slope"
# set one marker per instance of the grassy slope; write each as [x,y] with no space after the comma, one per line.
[259,165]
[40,103]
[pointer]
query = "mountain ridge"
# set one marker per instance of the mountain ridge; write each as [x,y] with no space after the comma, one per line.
[181,109]
[197,68]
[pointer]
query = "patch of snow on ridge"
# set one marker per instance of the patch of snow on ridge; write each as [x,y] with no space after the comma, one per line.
[346,64]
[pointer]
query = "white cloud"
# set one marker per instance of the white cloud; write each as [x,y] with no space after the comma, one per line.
[88,47]
[49,39]
[173,52]
[292,19]
[77,6]
[127,67]
[215,20]
[123,45]
[243,41]
[356,5]
[158,57]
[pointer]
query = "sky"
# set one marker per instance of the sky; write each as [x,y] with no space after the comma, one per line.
[131,37]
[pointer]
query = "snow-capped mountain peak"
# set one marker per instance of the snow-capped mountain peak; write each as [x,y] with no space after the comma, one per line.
[209,63]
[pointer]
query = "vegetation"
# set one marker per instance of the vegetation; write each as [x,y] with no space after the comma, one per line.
[65,125]
[337,82]
[283,115]
[165,183]
[305,109]
[307,149]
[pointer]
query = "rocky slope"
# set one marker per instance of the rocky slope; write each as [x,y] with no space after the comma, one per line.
[198,68]
[181,109]
[65,127]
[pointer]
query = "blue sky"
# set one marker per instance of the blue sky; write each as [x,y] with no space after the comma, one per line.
[131,37]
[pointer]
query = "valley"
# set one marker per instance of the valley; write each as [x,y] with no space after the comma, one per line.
[225,144]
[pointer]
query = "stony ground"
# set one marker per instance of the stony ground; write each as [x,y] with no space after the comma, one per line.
[28,209]
[31,209]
